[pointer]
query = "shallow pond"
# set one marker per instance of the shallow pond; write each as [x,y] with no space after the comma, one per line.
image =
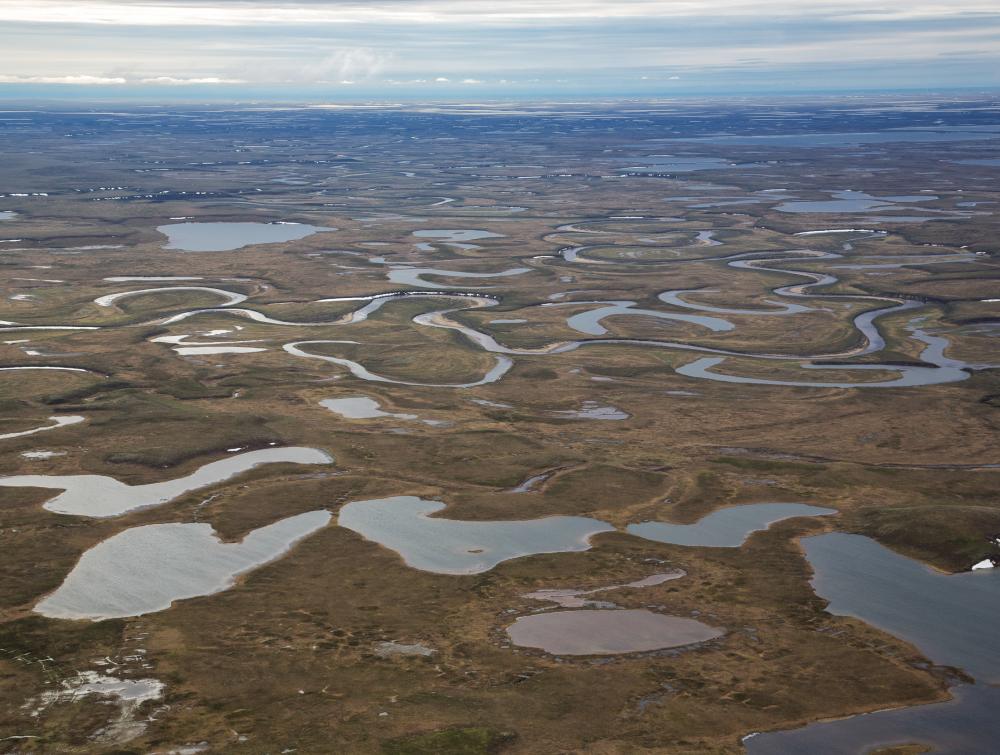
[359,407]
[100,496]
[363,407]
[607,632]
[145,569]
[725,528]
[448,546]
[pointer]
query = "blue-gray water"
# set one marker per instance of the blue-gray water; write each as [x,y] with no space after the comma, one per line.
[450,546]
[952,619]
[101,496]
[224,237]
[725,528]
[145,569]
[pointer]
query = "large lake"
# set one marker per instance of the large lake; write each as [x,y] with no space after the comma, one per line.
[952,619]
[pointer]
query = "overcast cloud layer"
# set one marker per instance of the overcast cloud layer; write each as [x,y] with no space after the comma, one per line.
[447,48]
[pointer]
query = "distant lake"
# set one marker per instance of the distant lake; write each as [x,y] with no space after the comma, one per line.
[990,161]
[852,201]
[848,138]
[224,237]
[671,164]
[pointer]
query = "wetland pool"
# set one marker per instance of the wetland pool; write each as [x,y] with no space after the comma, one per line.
[363,407]
[607,632]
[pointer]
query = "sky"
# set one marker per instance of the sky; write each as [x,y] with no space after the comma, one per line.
[339,50]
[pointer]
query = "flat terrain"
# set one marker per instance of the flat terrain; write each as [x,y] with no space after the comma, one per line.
[724,304]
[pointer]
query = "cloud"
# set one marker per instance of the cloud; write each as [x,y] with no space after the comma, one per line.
[87,80]
[269,13]
[351,65]
[529,44]
[174,81]
[75,80]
